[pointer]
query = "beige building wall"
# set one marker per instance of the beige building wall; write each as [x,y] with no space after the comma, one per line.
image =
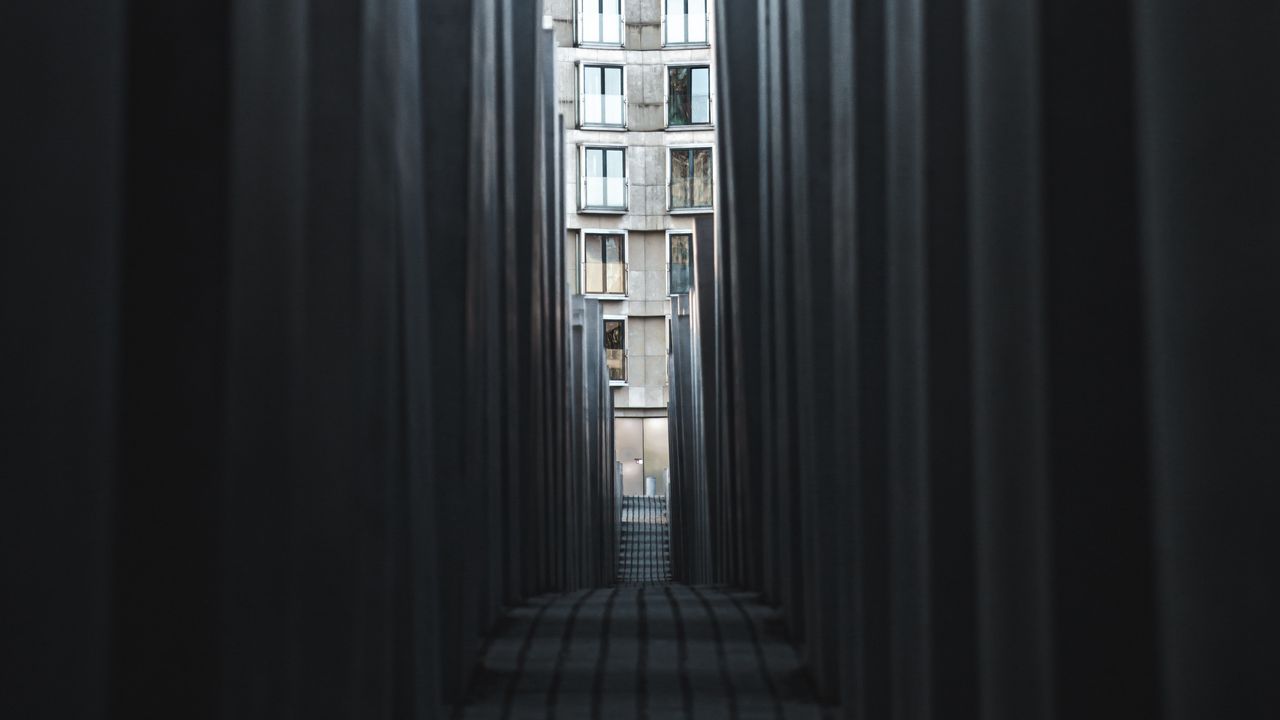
[647,219]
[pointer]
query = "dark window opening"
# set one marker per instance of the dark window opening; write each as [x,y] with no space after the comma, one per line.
[615,352]
[681,251]
[688,96]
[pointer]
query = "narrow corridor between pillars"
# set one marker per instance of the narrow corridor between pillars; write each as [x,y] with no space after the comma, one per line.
[656,651]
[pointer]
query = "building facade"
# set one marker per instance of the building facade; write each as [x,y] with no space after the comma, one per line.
[635,83]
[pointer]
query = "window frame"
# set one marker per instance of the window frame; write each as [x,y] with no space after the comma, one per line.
[700,209]
[582,262]
[706,33]
[626,349]
[692,239]
[622,28]
[583,208]
[710,124]
[581,94]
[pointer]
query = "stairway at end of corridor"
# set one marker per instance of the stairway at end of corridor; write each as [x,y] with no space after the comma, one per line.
[644,547]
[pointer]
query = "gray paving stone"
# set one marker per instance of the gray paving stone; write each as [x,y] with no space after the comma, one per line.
[623,660]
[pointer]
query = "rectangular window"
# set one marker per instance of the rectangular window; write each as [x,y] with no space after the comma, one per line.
[615,349]
[604,178]
[685,22]
[603,99]
[600,22]
[681,253]
[688,96]
[690,178]
[604,264]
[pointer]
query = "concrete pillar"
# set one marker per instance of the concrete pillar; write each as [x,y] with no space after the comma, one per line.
[59,310]
[1019,211]
[290,420]
[859,96]
[1206,107]
[1010,426]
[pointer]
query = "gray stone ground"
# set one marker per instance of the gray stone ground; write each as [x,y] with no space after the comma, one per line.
[658,651]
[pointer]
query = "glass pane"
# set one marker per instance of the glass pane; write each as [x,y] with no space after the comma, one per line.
[612,110]
[614,349]
[591,80]
[697,21]
[702,193]
[616,278]
[680,263]
[615,185]
[680,178]
[612,80]
[592,113]
[595,163]
[678,96]
[593,267]
[595,278]
[617,362]
[613,335]
[590,28]
[701,81]
[680,165]
[615,269]
[612,248]
[595,192]
[611,27]
[594,249]
[701,109]
[616,193]
[675,26]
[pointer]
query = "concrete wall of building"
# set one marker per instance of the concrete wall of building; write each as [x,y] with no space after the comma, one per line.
[647,219]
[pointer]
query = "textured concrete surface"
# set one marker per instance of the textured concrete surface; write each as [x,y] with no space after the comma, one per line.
[670,651]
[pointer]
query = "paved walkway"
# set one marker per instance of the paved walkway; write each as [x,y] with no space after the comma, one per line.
[667,651]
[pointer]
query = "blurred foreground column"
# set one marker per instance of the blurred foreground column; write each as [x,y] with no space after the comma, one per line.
[1208,107]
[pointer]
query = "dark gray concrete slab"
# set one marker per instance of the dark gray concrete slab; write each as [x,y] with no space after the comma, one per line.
[674,651]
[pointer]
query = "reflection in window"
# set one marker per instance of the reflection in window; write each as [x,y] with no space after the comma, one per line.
[691,178]
[686,22]
[615,352]
[681,251]
[600,21]
[604,179]
[604,266]
[688,96]
[602,95]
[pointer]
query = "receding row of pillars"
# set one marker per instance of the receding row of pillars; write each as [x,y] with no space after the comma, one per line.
[294,402]
[991,406]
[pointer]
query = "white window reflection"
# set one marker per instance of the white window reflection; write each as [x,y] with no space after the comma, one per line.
[603,98]
[600,21]
[685,22]
[604,181]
